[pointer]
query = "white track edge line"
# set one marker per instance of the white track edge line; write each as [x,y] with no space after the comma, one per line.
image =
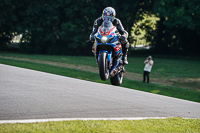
[73,119]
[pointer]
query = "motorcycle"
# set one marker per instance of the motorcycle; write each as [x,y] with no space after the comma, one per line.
[108,53]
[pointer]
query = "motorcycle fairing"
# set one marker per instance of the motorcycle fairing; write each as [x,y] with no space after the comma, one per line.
[113,29]
[112,40]
[113,43]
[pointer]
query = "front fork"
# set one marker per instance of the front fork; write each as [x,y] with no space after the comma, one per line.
[109,55]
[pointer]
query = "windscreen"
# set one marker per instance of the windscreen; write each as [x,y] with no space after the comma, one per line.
[106,26]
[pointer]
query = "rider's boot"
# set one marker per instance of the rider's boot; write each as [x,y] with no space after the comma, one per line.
[123,69]
[125,60]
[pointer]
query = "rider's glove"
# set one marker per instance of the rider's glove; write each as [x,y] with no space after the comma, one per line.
[123,39]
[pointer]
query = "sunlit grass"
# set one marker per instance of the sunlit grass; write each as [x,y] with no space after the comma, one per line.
[176,125]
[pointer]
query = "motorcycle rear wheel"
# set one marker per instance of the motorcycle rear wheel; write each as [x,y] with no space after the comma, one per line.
[103,66]
[117,79]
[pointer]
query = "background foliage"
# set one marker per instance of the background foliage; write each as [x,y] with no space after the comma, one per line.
[63,26]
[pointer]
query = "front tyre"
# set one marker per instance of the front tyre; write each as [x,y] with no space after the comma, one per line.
[103,66]
[117,79]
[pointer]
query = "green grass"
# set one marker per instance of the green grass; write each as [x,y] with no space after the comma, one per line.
[167,68]
[164,68]
[90,61]
[176,125]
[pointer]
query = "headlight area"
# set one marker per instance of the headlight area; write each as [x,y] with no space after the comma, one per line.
[104,39]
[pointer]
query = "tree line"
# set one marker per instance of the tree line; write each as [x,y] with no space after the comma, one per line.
[64,26]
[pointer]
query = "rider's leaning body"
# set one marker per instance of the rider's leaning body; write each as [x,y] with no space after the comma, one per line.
[109,15]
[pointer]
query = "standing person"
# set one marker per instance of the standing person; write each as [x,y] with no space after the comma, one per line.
[109,15]
[147,69]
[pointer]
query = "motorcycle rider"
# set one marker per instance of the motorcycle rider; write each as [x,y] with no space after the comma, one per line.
[109,15]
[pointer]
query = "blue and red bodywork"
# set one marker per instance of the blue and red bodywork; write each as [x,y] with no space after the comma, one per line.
[111,46]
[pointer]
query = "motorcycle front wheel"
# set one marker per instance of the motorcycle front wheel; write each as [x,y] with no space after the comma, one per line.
[103,66]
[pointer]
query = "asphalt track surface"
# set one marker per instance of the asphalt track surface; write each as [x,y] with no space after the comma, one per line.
[28,94]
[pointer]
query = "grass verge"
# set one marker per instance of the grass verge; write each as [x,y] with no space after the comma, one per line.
[176,92]
[177,125]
